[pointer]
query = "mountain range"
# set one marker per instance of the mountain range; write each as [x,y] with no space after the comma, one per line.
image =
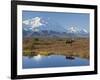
[52,30]
[70,32]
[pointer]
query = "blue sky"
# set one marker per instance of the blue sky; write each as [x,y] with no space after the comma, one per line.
[66,20]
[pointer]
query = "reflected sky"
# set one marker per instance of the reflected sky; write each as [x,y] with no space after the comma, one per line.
[52,61]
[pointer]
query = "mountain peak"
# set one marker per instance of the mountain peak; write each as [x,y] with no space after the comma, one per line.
[72,30]
[76,30]
[85,30]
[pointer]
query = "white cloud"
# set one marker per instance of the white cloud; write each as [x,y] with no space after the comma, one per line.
[36,30]
[34,22]
[26,22]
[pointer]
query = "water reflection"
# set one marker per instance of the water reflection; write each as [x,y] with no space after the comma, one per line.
[70,57]
[38,57]
[42,61]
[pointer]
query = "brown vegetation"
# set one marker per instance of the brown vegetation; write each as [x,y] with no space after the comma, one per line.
[79,47]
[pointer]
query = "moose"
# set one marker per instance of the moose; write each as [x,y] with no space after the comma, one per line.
[70,41]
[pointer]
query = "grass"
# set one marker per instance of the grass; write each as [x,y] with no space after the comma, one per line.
[79,48]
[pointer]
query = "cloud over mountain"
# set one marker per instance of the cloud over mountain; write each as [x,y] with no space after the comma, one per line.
[34,23]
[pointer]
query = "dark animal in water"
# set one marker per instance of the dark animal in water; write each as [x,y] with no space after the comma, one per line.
[70,41]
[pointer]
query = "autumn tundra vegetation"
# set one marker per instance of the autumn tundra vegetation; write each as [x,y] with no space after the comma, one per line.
[78,47]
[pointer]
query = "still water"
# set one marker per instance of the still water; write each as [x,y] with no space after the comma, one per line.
[52,61]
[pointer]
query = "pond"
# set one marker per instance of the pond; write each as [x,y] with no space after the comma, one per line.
[40,61]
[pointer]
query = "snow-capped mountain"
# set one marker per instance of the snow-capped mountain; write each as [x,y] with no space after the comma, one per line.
[84,31]
[38,24]
[52,33]
[75,30]
[40,27]
[72,30]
